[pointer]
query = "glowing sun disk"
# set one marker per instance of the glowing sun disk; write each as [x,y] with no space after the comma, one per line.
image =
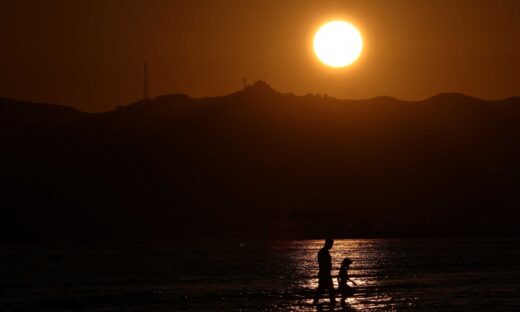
[338,44]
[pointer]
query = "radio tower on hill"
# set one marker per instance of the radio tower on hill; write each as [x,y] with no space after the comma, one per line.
[146,86]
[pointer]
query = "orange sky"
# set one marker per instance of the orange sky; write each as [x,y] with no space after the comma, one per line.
[89,53]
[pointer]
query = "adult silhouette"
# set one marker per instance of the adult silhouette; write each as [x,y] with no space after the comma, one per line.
[324,274]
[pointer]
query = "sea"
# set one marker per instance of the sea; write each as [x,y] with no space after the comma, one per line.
[257,275]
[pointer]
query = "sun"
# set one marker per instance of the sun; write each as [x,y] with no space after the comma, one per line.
[338,44]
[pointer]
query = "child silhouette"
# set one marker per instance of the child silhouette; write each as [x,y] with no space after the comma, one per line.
[344,289]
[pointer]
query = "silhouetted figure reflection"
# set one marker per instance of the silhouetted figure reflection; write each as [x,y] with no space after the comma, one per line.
[344,289]
[324,274]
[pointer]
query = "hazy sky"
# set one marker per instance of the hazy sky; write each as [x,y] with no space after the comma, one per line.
[89,53]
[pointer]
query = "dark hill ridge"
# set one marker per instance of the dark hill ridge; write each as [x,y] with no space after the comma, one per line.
[261,163]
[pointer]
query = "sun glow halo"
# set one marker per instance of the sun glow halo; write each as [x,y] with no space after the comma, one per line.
[338,44]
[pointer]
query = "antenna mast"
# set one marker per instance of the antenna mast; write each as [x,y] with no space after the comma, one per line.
[146,85]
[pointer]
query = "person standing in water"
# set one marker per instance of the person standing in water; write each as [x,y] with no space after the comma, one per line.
[324,274]
[343,288]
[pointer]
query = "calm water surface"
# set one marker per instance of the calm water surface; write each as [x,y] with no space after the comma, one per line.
[198,275]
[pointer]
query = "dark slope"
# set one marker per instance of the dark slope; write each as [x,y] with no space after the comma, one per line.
[258,162]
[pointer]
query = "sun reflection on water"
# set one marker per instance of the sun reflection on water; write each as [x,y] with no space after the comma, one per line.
[368,257]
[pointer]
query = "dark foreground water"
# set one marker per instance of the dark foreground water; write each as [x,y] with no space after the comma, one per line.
[392,275]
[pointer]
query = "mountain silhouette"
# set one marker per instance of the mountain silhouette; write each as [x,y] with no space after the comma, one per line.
[261,163]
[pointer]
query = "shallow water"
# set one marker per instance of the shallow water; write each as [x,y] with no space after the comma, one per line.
[202,275]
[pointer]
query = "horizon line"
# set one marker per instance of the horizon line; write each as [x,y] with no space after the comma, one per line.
[246,87]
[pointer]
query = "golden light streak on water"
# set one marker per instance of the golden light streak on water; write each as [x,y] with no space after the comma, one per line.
[364,254]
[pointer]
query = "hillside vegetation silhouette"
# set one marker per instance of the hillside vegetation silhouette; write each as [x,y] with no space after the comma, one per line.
[261,163]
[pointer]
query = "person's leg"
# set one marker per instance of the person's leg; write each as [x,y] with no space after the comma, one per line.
[319,291]
[317,296]
[343,297]
[332,291]
[343,290]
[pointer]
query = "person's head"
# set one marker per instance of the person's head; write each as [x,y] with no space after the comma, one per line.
[347,262]
[328,243]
